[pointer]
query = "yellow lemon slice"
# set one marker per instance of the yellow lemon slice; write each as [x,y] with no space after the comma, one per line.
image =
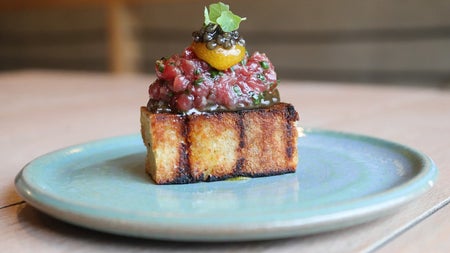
[219,57]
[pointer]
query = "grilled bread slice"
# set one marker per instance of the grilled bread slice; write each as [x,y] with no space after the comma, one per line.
[219,145]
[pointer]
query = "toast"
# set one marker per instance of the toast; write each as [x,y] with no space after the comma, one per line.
[219,145]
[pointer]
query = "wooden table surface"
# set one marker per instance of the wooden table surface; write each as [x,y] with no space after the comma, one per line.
[44,111]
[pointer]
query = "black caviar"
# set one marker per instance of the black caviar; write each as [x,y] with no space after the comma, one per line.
[214,36]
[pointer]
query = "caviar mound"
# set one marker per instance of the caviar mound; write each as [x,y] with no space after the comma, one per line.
[212,35]
[187,84]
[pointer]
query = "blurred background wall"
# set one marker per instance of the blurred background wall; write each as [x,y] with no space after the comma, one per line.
[347,40]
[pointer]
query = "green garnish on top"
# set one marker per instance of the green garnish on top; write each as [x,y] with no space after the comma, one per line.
[220,14]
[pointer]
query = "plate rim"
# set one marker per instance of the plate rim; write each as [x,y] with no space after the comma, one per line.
[384,204]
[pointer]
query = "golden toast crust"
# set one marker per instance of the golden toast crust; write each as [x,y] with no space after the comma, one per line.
[220,145]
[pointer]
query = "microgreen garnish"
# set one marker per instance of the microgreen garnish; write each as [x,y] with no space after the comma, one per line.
[220,14]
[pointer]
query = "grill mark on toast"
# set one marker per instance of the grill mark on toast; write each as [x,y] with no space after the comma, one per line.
[292,115]
[241,129]
[289,141]
[184,168]
[240,124]
[184,173]
[238,167]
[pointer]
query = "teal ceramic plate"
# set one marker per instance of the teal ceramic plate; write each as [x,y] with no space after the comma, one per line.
[342,180]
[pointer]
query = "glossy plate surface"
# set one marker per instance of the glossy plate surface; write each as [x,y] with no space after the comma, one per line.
[342,180]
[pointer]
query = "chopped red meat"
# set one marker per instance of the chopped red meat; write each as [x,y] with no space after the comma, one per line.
[186,84]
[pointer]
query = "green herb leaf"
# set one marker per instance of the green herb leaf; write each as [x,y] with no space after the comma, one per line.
[216,10]
[228,21]
[257,99]
[207,19]
[220,14]
[214,73]
[264,64]
[237,90]
[160,65]
[198,81]
[261,76]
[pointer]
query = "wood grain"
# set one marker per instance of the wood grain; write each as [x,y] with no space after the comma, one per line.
[429,235]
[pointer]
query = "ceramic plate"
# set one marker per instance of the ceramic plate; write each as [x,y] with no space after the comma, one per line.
[342,180]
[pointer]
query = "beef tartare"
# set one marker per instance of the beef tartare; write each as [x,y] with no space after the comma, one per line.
[188,84]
